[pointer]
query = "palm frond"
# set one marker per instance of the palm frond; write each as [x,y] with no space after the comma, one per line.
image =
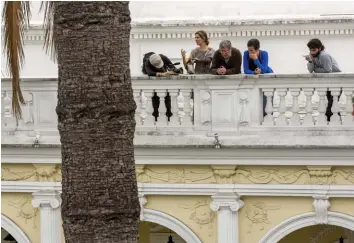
[49,41]
[16,17]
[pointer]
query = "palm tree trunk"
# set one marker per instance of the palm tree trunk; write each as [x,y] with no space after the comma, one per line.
[96,122]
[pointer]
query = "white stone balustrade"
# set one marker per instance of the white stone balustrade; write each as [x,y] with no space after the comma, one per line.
[204,104]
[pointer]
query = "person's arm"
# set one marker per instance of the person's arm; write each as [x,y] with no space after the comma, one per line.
[264,65]
[187,60]
[310,67]
[166,60]
[246,64]
[327,65]
[148,69]
[236,61]
[215,63]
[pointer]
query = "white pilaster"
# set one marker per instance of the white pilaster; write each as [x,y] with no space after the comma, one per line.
[49,203]
[227,205]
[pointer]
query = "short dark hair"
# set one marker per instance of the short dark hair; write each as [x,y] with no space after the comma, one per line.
[315,44]
[255,43]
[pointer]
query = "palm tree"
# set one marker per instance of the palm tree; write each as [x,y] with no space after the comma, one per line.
[95,114]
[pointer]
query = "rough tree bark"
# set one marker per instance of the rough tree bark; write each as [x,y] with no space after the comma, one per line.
[96,122]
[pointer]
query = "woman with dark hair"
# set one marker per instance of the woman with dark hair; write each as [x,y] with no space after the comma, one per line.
[255,61]
[200,56]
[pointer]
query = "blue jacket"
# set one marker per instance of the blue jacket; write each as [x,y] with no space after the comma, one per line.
[261,62]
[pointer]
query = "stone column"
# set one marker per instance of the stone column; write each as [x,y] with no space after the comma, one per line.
[227,205]
[49,202]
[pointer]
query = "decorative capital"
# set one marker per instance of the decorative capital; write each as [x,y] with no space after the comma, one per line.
[142,202]
[321,205]
[320,174]
[46,198]
[226,200]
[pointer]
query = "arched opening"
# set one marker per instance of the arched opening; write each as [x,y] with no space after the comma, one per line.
[319,234]
[156,233]
[305,220]
[11,233]
[157,227]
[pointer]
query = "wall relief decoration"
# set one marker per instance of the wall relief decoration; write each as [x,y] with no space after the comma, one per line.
[257,214]
[25,209]
[175,175]
[201,214]
[37,172]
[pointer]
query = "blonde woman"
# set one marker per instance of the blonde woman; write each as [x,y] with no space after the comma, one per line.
[200,56]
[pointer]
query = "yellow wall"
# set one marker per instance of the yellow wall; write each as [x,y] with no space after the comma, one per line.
[18,207]
[342,205]
[260,214]
[194,211]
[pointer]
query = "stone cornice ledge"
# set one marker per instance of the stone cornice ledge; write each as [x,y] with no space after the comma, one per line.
[230,26]
[331,191]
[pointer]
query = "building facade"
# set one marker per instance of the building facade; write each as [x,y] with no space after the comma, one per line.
[217,170]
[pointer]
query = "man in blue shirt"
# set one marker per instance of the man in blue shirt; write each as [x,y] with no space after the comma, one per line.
[255,61]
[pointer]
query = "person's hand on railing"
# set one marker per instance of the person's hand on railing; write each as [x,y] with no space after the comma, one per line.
[258,71]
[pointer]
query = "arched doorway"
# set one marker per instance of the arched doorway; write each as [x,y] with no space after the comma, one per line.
[304,220]
[13,230]
[179,231]
[319,234]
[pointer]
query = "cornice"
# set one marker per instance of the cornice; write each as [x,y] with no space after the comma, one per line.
[145,189]
[253,26]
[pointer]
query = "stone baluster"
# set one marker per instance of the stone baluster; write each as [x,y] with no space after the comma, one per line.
[137,98]
[9,123]
[227,205]
[174,119]
[281,119]
[335,118]
[348,119]
[322,118]
[268,119]
[162,120]
[188,108]
[146,102]
[49,203]
[180,105]
[308,119]
[295,118]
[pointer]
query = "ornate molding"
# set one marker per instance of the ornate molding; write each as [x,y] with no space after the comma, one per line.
[257,214]
[46,198]
[24,209]
[39,172]
[226,200]
[175,175]
[321,205]
[320,174]
[185,29]
[201,214]
[223,173]
[142,202]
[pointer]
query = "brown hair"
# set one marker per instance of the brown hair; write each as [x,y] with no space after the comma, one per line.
[203,35]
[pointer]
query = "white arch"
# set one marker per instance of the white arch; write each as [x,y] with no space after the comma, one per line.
[172,223]
[304,220]
[14,230]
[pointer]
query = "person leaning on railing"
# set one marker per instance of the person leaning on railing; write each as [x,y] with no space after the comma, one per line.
[200,56]
[320,61]
[227,60]
[255,62]
[158,65]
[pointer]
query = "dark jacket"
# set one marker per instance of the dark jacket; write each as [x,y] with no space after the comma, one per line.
[233,66]
[151,70]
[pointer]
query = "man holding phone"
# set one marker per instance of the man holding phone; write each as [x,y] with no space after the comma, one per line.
[227,60]
[320,61]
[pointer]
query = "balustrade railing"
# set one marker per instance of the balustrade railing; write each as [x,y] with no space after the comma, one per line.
[204,103]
